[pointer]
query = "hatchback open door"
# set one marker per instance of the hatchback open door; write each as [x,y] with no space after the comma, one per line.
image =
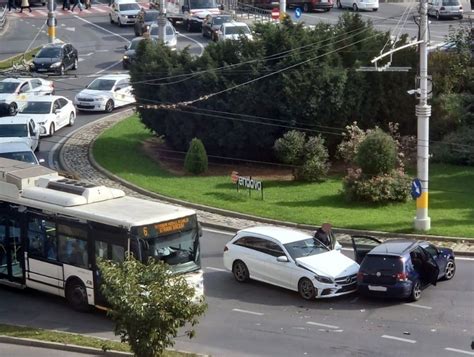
[430,267]
[363,244]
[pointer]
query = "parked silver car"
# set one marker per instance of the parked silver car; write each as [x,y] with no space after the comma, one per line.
[171,36]
[445,8]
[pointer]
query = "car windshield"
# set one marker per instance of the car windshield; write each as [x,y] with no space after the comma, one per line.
[134,43]
[49,52]
[154,31]
[305,248]
[102,84]
[202,4]
[13,130]
[129,7]
[25,156]
[151,16]
[8,87]
[36,108]
[221,19]
[236,30]
[451,3]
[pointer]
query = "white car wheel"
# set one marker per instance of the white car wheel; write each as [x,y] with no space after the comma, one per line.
[306,289]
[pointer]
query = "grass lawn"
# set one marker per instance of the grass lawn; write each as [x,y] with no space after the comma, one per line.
[451,191]
[7,63]
[73,339]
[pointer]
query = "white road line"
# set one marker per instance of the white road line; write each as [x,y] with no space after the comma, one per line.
[198,43]
[398,339]
[322,325]
[459,351]
[216,269]
[248,312]
[102,28]
[419,306]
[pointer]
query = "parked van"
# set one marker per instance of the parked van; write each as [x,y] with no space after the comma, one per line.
[445,8]
[356,5]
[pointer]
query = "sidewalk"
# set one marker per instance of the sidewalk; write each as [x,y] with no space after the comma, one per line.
[75,157]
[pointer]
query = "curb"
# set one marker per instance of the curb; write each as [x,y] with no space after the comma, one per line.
[61,346]
[223,212]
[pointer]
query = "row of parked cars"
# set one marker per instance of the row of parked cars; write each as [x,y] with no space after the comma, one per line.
[295,260]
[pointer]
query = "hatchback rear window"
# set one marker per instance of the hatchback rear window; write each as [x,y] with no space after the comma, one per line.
[375,263]
[451,3]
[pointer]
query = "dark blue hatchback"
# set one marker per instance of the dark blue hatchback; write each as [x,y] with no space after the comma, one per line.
[400,268]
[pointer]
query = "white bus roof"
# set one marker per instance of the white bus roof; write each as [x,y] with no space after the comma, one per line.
[42,188]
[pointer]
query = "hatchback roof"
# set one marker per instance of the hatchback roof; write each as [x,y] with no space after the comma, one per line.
[394,247]
[283,235]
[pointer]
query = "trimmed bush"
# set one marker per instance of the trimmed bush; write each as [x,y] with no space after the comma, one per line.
[377,154]
[456,148]
[289,148]
[389,187]
[196,158]
[316,164]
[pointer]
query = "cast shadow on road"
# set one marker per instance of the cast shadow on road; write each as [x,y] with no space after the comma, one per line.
[222,285]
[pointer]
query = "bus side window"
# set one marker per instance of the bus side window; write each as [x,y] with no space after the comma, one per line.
[101,250]
[118,253]
[42,239]
[73,251]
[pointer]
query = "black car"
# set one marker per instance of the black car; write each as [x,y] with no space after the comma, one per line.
[212,23]
[144,20]
[400,268]
[130,50]
[56,57]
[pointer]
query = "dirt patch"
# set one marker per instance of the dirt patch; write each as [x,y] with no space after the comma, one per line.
[172,161]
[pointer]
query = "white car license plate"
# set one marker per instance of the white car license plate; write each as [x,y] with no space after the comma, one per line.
[377,288]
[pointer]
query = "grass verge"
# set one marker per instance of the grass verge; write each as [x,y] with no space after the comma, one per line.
[73,339]
[7,63]
[451,191]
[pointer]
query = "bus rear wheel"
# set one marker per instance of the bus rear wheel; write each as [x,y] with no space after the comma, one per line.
[76,295]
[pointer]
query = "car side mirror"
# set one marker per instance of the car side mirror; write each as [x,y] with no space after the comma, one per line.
[126,47]
[57,111]
[282,259]
[41,161]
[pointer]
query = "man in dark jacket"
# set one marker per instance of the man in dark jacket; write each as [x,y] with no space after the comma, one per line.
[323,234]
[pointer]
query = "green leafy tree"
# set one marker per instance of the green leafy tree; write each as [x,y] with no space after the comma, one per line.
[377,154]
[149,304]
[196,161]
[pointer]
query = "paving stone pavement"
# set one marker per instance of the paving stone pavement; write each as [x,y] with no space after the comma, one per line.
[76,159]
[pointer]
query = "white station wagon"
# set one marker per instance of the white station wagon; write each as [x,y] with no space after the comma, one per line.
[106,93]
[291,259]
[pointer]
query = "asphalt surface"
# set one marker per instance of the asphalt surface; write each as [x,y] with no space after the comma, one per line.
[27,351]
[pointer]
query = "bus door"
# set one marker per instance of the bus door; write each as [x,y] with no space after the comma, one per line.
[12,267]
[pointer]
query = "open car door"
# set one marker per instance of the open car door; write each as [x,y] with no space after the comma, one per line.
[362,245]
[430,268]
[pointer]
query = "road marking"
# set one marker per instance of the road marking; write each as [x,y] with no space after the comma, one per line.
[248,312]
[398,339]
[459,351]
[44,13]
[322,325]
[198,43]
[216,269]
[419,306]
[100,10]
[102,28]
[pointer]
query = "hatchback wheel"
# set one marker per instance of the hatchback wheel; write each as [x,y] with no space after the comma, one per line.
[450,270]
[415,291]
[61,70]
[437,15]
[72,118]
[111,21]
[109,106]
[76,64]
[12,109]
[241,272]
[52,129]
[306,289]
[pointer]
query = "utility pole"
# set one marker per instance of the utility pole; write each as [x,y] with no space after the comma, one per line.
[422,221]
[51,21]
[162,21]
[282,8]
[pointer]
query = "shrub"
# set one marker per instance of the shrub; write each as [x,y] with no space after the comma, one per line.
[195,161]
[377,154]
[389,187]
[456,148]
[316,164]
[289,148]
[348,147]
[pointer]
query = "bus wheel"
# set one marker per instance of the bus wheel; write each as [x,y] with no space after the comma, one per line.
[76,295]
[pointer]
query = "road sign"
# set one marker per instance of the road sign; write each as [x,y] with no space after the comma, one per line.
[297,13]
[275,13]
[416,188]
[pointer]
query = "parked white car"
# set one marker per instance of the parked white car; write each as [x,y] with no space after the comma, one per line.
[16,128]
[20,151]
[291,259]
[13,90]
[234,31]
[106,93]
[50,113]
[124,12]
[356,5]
[445,9]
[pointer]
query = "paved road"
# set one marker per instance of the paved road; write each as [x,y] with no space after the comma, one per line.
[256,319]
[26,351]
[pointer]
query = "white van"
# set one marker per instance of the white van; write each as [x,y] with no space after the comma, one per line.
[356,5]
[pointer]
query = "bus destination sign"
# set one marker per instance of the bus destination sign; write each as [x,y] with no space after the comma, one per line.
[167,227]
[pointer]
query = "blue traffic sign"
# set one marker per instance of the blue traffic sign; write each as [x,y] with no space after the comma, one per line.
[416,188]
[297,13]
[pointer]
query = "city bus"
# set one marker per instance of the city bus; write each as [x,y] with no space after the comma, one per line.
[54,229]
